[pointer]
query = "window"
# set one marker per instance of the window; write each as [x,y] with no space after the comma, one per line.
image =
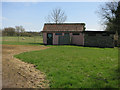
[58,33]
[49,35]
[76,34]
[105,34]
[92,34]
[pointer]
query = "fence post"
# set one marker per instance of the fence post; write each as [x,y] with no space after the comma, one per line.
[18,35]
[34,39]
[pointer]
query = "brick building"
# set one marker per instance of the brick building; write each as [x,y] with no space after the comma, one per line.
[75,34]
[63,33]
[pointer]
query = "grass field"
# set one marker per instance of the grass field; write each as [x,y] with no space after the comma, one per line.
[76,67]
[38,40]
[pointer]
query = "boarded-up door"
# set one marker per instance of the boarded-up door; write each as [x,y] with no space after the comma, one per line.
[64,40]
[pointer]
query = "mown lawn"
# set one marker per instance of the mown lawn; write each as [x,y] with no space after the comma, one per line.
[76,67]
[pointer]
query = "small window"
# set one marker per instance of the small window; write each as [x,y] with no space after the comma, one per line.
[105,34]
[66,34]
[58,33]
[76,33]
[91,34]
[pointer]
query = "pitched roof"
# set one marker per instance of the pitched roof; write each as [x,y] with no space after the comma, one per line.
[63,27]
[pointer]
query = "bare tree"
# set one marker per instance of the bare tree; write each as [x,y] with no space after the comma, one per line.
[109,13]
[57,15]
[19,29]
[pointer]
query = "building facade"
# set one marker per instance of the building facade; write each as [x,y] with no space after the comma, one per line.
[99,39]
[75,34]
[63,33]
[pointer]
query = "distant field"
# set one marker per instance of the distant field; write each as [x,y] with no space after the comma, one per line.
[37,40]
[76,67]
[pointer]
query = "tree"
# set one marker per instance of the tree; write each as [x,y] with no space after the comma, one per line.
[110,14]
[57,15]
[9,31]
[117,20]
[19,30]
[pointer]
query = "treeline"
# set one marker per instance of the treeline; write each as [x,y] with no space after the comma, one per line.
[18,31]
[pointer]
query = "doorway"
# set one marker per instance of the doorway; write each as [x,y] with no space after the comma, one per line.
[49,38]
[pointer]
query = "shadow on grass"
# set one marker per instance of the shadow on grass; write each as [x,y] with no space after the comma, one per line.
[76,45]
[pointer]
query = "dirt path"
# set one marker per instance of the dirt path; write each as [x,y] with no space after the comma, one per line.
[18,74]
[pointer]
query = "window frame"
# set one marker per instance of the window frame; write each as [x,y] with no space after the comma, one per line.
[75,33]
[58,33]
[66,34]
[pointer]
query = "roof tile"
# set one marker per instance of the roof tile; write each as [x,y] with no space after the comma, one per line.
[64,27]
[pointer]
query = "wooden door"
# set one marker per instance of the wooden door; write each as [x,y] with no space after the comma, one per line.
[49,38]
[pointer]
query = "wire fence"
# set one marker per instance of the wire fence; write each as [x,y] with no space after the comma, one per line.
[33,39]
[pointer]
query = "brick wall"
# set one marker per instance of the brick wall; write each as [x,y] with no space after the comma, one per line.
[77,39]
[55,39]
[99,40]
[45,38]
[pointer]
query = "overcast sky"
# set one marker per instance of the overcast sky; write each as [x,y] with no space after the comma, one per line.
[31,15]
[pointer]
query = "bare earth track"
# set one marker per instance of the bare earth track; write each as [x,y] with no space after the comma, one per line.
[18,74]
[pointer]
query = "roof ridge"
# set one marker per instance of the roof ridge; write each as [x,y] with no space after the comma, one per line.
[64,23]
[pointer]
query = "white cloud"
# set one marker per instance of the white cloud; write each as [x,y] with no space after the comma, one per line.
[58,0]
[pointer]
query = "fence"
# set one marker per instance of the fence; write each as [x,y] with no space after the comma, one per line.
[32,39]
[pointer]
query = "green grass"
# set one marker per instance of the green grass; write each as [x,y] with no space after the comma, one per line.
[76,67]
[38,40]
[27,39]
[20,43]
